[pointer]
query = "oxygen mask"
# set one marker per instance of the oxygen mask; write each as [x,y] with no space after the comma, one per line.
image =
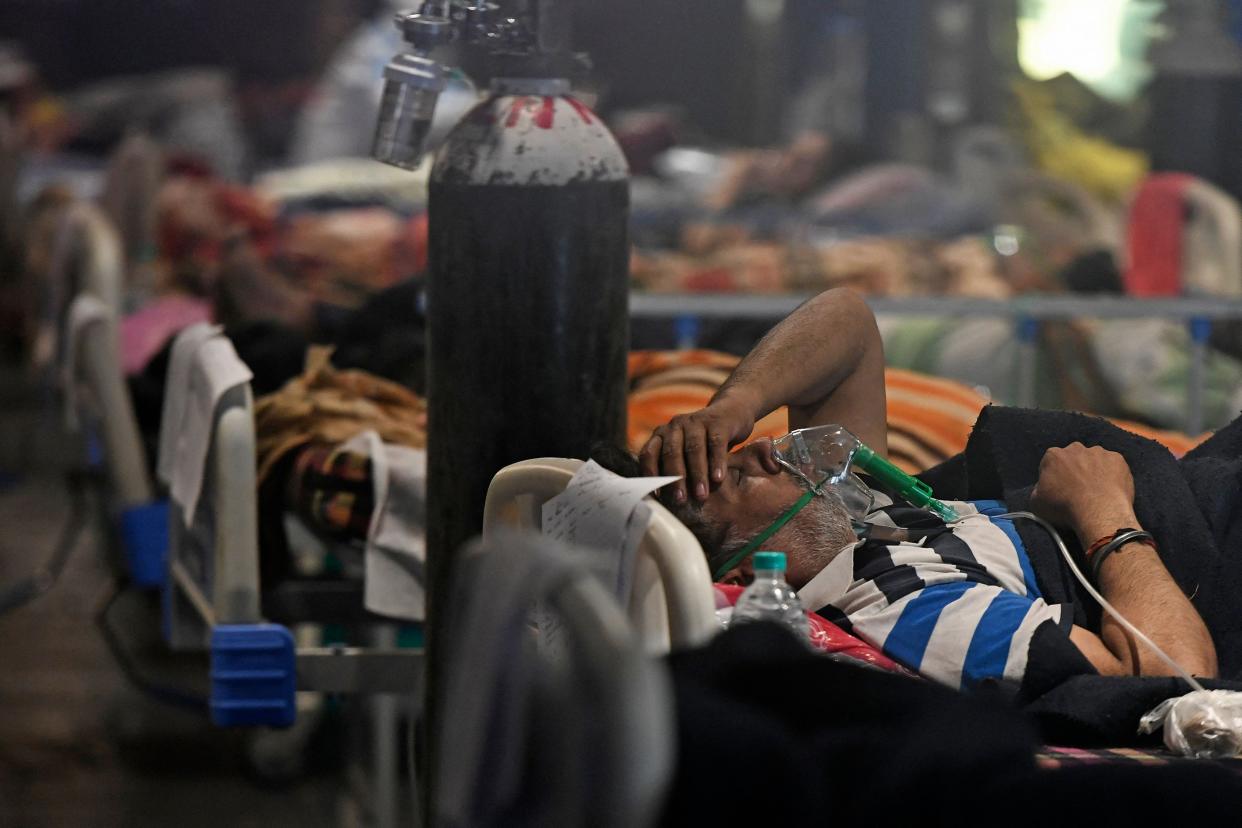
[826,456]
[823,458]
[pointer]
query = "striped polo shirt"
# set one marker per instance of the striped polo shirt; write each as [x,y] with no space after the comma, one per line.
[958,603]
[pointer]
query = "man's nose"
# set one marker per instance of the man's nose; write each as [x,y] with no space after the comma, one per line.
[757,457]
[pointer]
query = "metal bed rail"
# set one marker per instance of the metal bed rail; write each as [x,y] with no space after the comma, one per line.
[1027,313]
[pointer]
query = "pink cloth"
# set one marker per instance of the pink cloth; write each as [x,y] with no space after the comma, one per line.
[145,331]
[825,635]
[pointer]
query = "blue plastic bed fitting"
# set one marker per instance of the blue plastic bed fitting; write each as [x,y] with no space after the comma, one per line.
[144,536]
[94,449]
[686,331]
[1200,329]
[253,676]
[1028,329]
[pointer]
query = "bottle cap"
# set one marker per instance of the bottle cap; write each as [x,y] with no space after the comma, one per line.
[770,560]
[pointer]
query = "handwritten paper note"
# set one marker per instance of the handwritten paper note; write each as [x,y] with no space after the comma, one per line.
[603,512]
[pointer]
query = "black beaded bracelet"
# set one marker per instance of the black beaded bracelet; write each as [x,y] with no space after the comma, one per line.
[1118,541]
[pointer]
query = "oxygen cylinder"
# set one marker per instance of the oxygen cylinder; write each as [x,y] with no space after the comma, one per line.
[527,299]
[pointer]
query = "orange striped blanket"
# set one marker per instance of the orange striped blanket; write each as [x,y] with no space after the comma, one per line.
[929,419]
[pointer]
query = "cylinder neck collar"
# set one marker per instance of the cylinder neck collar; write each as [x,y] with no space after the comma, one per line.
[530,86]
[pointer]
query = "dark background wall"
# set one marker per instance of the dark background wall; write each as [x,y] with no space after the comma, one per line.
[692,51]
[732,80]
[75,41]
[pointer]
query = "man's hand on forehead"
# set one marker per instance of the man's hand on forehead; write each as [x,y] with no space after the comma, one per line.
[696,446]
[825,361]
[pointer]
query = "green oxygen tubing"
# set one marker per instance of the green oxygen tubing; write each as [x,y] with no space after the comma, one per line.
[915,492]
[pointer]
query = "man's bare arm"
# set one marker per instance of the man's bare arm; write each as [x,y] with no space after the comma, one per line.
[1091,490]
[825,361]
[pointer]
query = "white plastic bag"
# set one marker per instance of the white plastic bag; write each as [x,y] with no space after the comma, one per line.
[1205,724]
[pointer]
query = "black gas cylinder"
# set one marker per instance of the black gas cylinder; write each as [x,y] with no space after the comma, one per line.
[526,304]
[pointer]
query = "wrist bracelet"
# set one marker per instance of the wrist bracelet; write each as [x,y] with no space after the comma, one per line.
[1120,539]
[1099,544]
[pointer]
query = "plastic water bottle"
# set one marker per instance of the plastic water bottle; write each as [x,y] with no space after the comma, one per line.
[769,598]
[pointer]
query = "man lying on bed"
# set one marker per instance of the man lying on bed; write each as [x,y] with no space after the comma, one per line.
[960,603]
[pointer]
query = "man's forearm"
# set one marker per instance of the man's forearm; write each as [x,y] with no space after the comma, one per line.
[826,362]
[1135,581]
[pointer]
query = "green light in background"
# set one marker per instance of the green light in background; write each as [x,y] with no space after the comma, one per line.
[1101,42]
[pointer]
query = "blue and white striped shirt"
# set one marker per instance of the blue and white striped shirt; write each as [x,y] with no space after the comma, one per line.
[959,604]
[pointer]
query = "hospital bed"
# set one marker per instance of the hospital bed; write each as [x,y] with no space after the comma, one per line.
[515,499]
[601,726]
[215,602]
[671,605]
[213,564]
[99,401]
[87,270]
[86,258]
[206,569]
[214,599]
[106,464]
[216,585]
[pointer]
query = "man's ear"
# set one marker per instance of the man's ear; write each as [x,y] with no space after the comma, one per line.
[740,575]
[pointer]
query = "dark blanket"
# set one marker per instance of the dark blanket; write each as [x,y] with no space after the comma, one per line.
[1192,506]
[769,733]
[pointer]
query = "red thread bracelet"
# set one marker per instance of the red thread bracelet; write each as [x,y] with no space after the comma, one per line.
[1107,539]
[1095,547]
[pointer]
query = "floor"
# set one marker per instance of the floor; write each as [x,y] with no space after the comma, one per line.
[78,745]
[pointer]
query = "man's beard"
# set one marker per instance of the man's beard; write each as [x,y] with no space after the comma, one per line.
[811,540]
[819,533]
